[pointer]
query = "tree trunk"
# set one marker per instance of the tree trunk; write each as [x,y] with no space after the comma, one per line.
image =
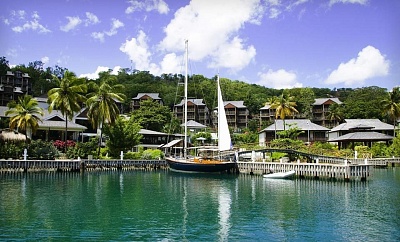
[66,133]
[100,139]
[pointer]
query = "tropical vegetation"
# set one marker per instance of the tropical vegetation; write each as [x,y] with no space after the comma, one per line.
[102,102]
[284,107]
[67,96]
[391,106]
[109,93]
[24,115]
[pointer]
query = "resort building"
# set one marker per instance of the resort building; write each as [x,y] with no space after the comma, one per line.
[267,114]
[311,132]
[365,131]
[237,115]
[145,96]
[196,111]
[152,139]
[13,85]
[52,126]
[320,111]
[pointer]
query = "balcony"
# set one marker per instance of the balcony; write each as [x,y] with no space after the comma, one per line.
[319,118]
[18,90]
[319,110]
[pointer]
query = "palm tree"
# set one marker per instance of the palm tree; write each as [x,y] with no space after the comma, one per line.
[335,113]
[67,97]
[284,106]
[391,106]
[25,115]
[102,103]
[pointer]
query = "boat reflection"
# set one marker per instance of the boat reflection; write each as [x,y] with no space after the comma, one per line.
[224,213]
[206,198]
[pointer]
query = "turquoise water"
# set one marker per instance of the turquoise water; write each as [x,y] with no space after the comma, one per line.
[167,206]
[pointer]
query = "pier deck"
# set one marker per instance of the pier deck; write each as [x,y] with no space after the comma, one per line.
[310,170]
[304,170]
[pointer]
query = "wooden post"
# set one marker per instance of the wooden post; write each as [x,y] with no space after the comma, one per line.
[82,167]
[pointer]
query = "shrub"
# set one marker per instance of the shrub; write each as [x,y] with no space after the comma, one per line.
[132,156]
[60,145]
[380,150]
[324,145]
[287,143]
[42,150]
[11,150]
[277,155]
[83,149]
[152,154]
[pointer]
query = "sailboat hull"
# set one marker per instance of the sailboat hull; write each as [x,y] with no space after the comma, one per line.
[188,166]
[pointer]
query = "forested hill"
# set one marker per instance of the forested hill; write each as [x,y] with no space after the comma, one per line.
[359,103]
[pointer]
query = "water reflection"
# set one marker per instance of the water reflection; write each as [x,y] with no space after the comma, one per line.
[121,183]
[224,212]
[154,206]
[205,199]
[185,210]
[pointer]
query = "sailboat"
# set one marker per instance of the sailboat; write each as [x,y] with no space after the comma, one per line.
[208,160]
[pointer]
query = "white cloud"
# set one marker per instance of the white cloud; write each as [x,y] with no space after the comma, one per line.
[277,7]
[98,35]
[210,27]
[369,63]
[19,14]
[148,5]
[115,25]
[73,22]
[274,12]
[273,2]
[279,79]
[99,69]
[91,19]
[362,2]
[137,50]
[171,63]
[295,4]
[232,55]
[45,60]
[12,52]
[32,24]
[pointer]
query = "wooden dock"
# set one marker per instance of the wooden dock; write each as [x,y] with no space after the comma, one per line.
[310,170]
[79,165]
[303,170]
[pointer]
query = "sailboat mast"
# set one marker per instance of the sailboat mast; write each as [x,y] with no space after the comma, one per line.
[185,98]
[219,110]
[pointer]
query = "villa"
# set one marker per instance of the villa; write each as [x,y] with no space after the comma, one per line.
[311,132]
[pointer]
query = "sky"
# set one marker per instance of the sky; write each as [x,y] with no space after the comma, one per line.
[273,43]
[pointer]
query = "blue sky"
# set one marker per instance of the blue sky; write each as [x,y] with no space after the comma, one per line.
[274,43]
